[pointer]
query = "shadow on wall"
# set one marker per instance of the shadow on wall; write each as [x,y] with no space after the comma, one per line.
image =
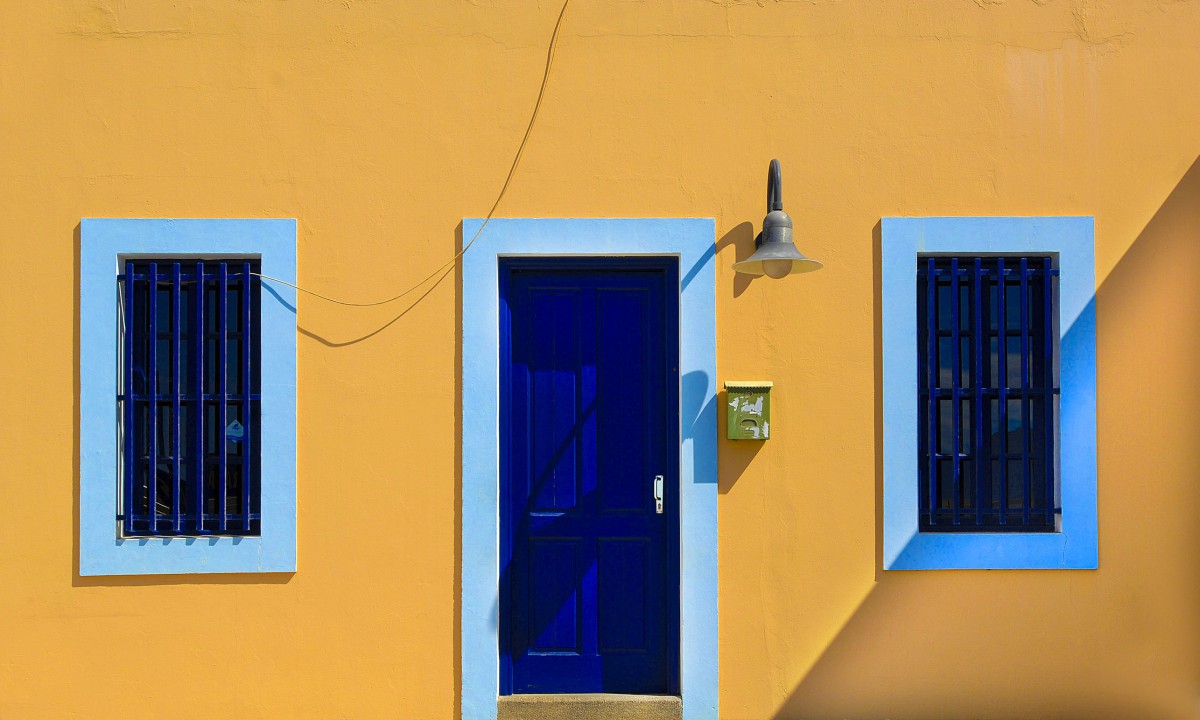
[323,336]
[741,237]
[734,457]
[1112,643]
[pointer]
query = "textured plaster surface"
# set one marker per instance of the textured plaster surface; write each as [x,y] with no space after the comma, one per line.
[380,125]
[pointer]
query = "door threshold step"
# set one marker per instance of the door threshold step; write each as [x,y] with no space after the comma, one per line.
[590,706]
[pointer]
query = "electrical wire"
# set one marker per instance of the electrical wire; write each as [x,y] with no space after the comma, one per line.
[537,106]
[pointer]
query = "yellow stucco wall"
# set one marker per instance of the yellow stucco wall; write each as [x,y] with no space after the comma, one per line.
[379,125]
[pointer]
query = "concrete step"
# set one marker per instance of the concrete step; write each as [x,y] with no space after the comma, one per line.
[598,706]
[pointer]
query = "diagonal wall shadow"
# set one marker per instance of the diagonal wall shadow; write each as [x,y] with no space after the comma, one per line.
[952,644]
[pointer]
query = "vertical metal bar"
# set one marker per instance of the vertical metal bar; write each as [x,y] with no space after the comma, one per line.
[922,391]
[246,443]
[1025,420]
[1002,376]
[198,341]
[176,415]
[131,462]
[1048,314]
[956,386]
[223,392]
[932,326]
[977,332]
[152,380]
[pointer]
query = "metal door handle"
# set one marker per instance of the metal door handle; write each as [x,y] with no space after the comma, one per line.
[658,494]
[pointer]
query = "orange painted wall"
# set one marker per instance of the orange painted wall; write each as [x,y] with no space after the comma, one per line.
[380,125]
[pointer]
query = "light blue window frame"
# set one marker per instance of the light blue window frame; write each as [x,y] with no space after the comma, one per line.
[104,244]
[692,241]
[1072,240]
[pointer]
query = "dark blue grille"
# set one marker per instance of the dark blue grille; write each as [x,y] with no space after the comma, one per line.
[988,393]
[190,395]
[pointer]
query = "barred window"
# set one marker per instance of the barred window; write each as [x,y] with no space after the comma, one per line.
[189,397]
[987,367]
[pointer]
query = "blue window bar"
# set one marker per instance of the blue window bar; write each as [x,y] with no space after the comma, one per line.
[189,398]
[988,393]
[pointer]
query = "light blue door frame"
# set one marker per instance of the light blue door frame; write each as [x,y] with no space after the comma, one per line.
[692,241]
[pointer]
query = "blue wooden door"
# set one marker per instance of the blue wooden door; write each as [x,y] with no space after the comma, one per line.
[589,418]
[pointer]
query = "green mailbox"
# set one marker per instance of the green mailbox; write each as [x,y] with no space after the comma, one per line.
[749,410]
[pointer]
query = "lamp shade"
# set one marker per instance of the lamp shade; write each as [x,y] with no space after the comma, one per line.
[776,255]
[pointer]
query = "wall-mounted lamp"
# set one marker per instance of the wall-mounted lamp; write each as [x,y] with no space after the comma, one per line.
[776,255]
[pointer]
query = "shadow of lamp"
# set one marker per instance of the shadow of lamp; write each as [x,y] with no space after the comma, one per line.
[776,255]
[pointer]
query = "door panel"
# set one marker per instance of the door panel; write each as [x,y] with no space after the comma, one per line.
[553,598]
[621,401]
[553,353]
[623,567]
[589,398]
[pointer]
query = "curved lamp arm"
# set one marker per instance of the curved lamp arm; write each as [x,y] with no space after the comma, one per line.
[774,187]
